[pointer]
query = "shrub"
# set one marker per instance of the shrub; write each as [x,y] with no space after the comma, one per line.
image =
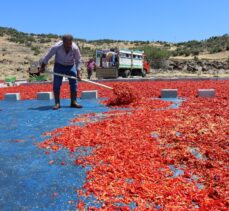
[87,51]
[36,50]
[195,53]
[52,36]
[180,53]
[187,53]
[174,53]
[167,45]
[30,39]
[220,50]
[28,44]
[157,53]
[196,58]
[43,40]
[215,50]
[157,56]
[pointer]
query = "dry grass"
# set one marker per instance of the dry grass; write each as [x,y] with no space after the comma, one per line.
[216,56]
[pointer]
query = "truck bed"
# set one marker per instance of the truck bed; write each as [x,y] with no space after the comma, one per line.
[111,72]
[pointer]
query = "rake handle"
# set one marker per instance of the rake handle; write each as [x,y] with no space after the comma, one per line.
[84,80]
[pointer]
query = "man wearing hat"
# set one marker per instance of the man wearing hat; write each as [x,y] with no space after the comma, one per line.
[67,62]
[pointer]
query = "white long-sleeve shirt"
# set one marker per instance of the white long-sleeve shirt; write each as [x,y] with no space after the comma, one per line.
[61,57]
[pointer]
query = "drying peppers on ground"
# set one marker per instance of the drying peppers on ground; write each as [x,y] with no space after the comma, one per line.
[137,153]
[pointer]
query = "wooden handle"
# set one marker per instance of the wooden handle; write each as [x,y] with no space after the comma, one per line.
[95,83]
[85,80]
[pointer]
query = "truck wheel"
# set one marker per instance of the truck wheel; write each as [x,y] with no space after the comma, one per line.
[143,73]
[126,74]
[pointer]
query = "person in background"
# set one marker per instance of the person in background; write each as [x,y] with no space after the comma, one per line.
[90,68]
[67,62]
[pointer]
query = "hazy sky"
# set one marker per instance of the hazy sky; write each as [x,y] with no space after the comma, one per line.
[165,20]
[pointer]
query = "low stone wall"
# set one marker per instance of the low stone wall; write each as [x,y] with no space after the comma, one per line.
[211,67]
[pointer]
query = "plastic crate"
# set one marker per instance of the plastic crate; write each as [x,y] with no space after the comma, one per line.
[39,78]
[10,79]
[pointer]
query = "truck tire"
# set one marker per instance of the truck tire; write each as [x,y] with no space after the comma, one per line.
[126,74]
[143,73]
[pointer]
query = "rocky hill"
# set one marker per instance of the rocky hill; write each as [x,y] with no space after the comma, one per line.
[18,50]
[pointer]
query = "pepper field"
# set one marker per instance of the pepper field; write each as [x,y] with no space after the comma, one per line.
[139,152]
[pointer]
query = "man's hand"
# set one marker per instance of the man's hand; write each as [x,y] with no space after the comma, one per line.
[79,75]
[42,68]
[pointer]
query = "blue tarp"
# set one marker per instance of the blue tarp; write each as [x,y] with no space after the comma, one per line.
[27,180]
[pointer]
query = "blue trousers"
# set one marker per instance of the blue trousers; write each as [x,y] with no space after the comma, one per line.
[66,70]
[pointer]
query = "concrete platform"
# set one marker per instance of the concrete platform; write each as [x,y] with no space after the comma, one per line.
[206,92]
[169,93]
[12,96]
[18,83]
[2,85]
[44,95]
[89,95]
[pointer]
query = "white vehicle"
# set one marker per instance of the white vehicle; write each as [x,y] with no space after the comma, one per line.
[124,63]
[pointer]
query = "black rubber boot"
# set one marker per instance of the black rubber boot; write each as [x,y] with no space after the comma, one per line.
[74,104]
[57,100]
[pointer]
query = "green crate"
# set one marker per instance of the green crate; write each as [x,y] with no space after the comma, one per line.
[39,78]
[11,79]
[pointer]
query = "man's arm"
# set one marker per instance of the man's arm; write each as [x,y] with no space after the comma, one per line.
[47,57]
[78,62]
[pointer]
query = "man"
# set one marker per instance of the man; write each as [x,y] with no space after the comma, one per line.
[68,62]
[90,68]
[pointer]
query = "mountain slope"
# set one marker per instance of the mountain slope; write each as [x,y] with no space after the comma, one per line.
[18,49]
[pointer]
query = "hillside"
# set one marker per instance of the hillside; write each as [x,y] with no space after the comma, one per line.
[18,49]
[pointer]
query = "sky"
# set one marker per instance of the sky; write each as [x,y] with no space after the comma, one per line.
[153,20]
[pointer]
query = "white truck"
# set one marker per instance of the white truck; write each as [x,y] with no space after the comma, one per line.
[121,63]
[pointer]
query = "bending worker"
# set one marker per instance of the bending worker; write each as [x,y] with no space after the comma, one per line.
[67,62]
